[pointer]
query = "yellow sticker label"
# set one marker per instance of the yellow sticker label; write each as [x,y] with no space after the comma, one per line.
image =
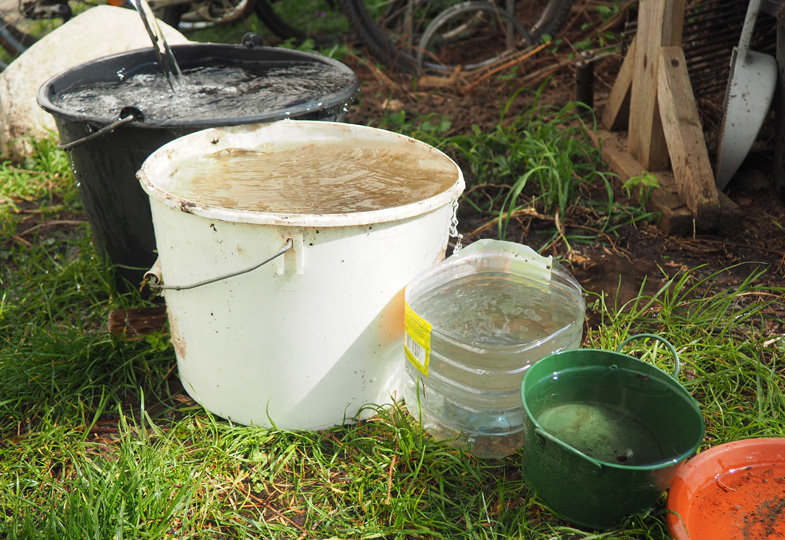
[417,340]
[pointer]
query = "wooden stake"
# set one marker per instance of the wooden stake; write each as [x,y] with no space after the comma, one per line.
[684,136]
[616,115]
[660,23]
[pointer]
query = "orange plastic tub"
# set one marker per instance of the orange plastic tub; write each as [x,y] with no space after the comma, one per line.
[734,490]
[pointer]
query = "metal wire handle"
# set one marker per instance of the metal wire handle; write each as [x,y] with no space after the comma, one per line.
[453,232]
[127,114]
[155,281]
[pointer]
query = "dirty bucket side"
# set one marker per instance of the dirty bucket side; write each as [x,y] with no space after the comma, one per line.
[300,351]
[306,340]
[117,208]
[599,492]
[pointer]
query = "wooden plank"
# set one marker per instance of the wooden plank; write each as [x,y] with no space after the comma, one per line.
[675,217]
[684,136]
[617,111]
[136,323]
[660,23]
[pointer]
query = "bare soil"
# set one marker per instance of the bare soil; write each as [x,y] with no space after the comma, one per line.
[619,264]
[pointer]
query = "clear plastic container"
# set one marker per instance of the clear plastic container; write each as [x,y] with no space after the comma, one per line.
[474,324]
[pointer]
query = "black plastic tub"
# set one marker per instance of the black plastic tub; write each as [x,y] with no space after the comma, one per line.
[105,163]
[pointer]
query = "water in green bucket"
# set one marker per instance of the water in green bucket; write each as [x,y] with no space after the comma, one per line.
[602,432]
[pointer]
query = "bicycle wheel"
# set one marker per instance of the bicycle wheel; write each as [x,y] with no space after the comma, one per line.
[440,35]
[13,41]
[318,20]
[21,22]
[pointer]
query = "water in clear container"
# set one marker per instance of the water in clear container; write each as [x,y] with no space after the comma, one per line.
[489,324]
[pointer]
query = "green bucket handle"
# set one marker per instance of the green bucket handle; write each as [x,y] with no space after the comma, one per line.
[667,343]
[555,440]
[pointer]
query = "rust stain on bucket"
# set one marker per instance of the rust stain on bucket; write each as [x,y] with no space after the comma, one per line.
[177,340]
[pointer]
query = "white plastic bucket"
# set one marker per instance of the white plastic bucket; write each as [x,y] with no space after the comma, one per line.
[307,339]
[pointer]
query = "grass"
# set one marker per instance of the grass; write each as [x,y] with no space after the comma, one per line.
[539,162]
[99,440]
[317,24]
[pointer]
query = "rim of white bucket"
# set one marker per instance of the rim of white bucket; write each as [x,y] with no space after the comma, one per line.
[159,164]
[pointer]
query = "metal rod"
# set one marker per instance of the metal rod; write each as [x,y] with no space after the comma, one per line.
[707,60]
[584,80]
[106,129]
[708,44]
[720,14]
[155,280]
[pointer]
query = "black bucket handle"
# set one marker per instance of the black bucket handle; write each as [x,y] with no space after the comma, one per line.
[667,343]
[126,115]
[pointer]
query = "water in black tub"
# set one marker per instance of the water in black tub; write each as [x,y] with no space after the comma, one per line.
[210,91]
[215,90]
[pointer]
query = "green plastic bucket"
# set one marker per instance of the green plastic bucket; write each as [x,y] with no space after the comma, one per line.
[604,432]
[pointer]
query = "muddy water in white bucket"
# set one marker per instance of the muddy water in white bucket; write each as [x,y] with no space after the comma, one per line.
[307,339]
